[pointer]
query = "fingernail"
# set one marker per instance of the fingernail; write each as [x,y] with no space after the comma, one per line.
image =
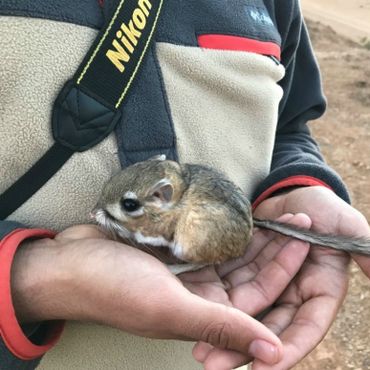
[264,351]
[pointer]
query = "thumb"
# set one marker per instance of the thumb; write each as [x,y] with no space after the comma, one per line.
[270,208]
[228,328]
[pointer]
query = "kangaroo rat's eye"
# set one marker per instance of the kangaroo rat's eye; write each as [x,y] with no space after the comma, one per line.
[130,205]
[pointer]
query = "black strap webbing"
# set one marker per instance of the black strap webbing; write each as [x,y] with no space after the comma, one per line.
[86,110]
[30,182]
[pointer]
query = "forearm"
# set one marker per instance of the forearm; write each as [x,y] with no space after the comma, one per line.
[16,336]
[34,280]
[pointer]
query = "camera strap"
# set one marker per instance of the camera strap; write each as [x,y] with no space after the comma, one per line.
[87,108]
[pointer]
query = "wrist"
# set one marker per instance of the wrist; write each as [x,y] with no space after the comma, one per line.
[10,330]
[34,276]
[288,184]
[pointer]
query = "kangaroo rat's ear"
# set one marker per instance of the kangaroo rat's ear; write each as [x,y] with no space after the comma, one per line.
[162,190]
[159,157]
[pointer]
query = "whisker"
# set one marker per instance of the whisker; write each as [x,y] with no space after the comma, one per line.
[119,232]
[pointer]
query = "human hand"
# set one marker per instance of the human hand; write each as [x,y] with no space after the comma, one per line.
[251,283]
[304,313]
[85,276]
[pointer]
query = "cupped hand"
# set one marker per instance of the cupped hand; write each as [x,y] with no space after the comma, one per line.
[303,314]
[82,275]
[251,284]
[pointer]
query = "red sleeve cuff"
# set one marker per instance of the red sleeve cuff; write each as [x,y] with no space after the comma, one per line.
[288,182]
[10,330]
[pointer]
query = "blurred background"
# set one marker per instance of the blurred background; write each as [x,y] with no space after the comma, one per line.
[340,34]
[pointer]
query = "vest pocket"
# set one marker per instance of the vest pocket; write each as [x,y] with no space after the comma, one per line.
[240,43]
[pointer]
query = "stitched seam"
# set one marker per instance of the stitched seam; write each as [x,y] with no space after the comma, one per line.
[78,105]
[70,111]
[95,97]
[79,124]
[100,42]
[142,54]
[92,125]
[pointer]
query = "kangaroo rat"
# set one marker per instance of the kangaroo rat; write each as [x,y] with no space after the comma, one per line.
[193,210]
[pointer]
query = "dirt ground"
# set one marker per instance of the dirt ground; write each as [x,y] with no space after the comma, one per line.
[344,136]
[348,18]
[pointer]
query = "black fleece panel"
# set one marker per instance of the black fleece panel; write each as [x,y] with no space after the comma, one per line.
[82,12]
[146,127]
[9,362]
[296,153]
[183,20]
[6,227]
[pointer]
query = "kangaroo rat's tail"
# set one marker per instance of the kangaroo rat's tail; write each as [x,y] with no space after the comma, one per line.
[343,243]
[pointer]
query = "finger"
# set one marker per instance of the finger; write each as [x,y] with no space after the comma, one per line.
[206,284]
[254,294]
[363,262]
[201,350]
[277,321]
[304,329]
[258,242]
[268,251]
[279,241]
[206,274]
[270,208]
[209,291]
[225,360]
[227,328]
[271,249]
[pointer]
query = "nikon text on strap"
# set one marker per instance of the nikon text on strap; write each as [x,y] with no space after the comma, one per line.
[86,110]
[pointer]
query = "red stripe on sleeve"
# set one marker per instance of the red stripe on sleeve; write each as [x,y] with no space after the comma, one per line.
[228,42]
[10,329]
[288,182]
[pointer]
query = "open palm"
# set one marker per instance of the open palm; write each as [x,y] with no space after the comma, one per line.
[303,314]
[251,283]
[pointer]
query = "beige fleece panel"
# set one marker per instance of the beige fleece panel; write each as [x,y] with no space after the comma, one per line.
[224,106]
[37,57]
[91,347]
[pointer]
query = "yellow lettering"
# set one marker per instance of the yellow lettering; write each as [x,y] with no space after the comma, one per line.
[125,42]
[118,56]
[139,18]
[130,31]
[129,35]
[146,9]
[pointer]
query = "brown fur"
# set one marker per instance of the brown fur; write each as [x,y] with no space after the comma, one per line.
[202,216]
[198,219]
